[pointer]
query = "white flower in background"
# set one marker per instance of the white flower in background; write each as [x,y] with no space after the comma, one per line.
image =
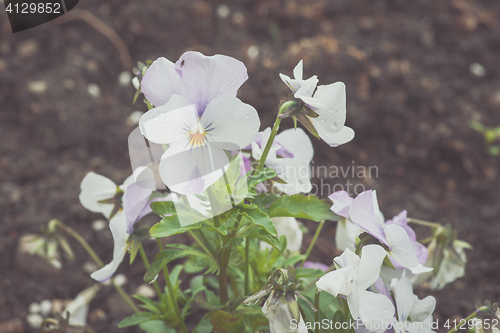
[347,232]
[290,156]
[198,116]
[136,204]
[288,227]
[448,262]
[118,226]
[79,307]
[413,315]
[99,194]
[354,275]
[328,103]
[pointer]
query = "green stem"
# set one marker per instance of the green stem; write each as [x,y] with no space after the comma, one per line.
[83,242]
[211,199]
[426,223]
[274,131]
[147,265]
[316,314]
[318,230]
[172,293]
[469,317]
[247,266]
[200,244]
[99,262]
[223,262]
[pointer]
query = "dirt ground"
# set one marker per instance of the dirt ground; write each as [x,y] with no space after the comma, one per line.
[411,90]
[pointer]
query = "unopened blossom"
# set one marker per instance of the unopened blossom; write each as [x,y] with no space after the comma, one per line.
[290,156]
[352,278]
[198,116]
[347,232]
[322,109]
[413,315]
[364,212]
[281,320]
[281,307]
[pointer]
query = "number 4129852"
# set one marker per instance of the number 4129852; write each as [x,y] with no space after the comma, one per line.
[32,8]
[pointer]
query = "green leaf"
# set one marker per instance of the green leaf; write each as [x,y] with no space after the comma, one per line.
[204,326]
[271,240]
[258,217]
[169,226]
[307,207]
[224,322]
[148,304]
[494,150]
[265,199]
[201,301]
[265,174]
[137,319]
[155,326]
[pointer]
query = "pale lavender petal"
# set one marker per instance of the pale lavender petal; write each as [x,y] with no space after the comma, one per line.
[402,220]
[204,78]
[134,201]
[363,214]
[315,265]
[160,82]
[382,288]
[341,203]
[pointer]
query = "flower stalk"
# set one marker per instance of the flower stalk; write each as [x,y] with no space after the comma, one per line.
[171,291]
[98,261]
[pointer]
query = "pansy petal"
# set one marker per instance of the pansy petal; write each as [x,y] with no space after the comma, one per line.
[134,201]
[341,203]
[375,310]
[345,135]
[169,123]
[229,120]
[95,188]
[347,258]
[402,220]
[421,309]
[118,226]
[297,71]
[372,257]
[160,82]
[402,250]
[338,281]
[404,298]
[345,234]
[333,98]
[190,170]
[204,78]
[297,142]
[362,213]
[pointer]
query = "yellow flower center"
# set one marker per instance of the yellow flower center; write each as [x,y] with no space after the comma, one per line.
[197,135]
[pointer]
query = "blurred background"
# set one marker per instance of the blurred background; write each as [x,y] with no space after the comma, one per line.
[417,74]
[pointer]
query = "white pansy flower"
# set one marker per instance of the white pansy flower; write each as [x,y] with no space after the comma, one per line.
[290,156]
[352,279]
[328,102]
[413,315]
